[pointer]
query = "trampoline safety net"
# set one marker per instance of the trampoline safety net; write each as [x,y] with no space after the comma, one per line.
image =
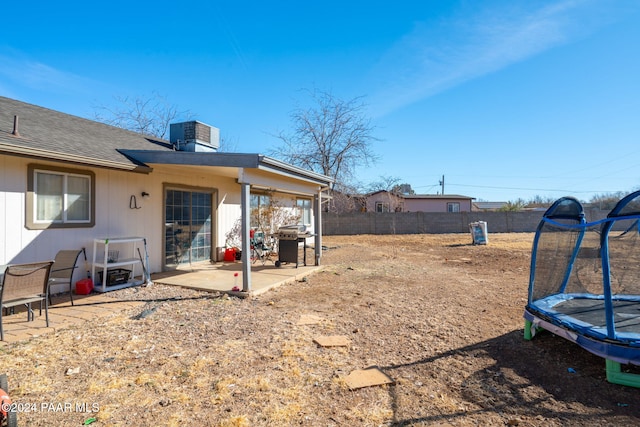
[586,275]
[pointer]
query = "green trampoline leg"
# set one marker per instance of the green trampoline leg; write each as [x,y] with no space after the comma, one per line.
[527,330]
[528,327]
[616,376]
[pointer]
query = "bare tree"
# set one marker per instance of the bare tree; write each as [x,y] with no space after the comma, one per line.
[404,188]
[332,137]
[345,198]
[607,201]
[386,183]
[227,145]
[149,116]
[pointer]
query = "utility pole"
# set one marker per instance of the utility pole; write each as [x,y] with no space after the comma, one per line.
[442,184]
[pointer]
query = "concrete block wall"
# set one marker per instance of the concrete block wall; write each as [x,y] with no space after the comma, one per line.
[435,222]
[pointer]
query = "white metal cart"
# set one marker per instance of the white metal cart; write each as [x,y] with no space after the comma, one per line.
[131,248]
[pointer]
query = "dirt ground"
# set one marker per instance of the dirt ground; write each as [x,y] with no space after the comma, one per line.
[440,316]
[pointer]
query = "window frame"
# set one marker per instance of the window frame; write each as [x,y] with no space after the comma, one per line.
[263,200]
[384,207]
[453,207]
[32,222]
[304,211]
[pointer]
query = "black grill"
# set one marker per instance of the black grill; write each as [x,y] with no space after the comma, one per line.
[289,238]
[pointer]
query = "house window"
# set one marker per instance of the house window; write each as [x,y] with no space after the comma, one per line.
[259,205]
[453,207]
[60,198]
[304,211]
[382,207]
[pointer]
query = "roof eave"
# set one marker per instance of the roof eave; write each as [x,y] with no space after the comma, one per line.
[232,160]
[283,168]
[37,153]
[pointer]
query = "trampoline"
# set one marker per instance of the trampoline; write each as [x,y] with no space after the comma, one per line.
[584,282]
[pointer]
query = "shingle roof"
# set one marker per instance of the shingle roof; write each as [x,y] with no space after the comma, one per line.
[437,196]
[49,134]
[52,135]
[489,205]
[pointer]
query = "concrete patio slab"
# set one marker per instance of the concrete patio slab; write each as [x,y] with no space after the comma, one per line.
[222,277]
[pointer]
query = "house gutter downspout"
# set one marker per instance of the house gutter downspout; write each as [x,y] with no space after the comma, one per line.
[245,192]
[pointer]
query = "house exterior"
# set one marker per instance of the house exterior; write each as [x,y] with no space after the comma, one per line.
[385,201]
[65,181]
[437,203]
[488,206]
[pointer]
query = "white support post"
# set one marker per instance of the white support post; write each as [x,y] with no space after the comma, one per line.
[317,210]
[245,206]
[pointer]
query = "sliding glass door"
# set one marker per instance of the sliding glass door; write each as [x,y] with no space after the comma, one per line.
[188,225]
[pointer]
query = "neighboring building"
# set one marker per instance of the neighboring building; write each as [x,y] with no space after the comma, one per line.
[65,181]
[385,201]
[438,203]
[488,206]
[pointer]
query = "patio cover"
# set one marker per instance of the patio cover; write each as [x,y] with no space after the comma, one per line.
[251,170]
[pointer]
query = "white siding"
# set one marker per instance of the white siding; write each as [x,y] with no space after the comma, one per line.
[114,215]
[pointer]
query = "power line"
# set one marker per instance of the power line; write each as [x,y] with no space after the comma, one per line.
[526,189]
[428,187]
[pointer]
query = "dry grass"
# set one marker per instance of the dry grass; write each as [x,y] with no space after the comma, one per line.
[440,316]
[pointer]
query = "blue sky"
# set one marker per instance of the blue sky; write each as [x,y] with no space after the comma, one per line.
[506,99]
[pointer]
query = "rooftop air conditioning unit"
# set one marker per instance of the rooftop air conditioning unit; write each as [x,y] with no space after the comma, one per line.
[194,136]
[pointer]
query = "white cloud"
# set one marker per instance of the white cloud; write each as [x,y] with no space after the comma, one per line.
[17,70]
[437,56]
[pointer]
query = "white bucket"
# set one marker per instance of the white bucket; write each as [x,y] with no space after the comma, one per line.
[479,232]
